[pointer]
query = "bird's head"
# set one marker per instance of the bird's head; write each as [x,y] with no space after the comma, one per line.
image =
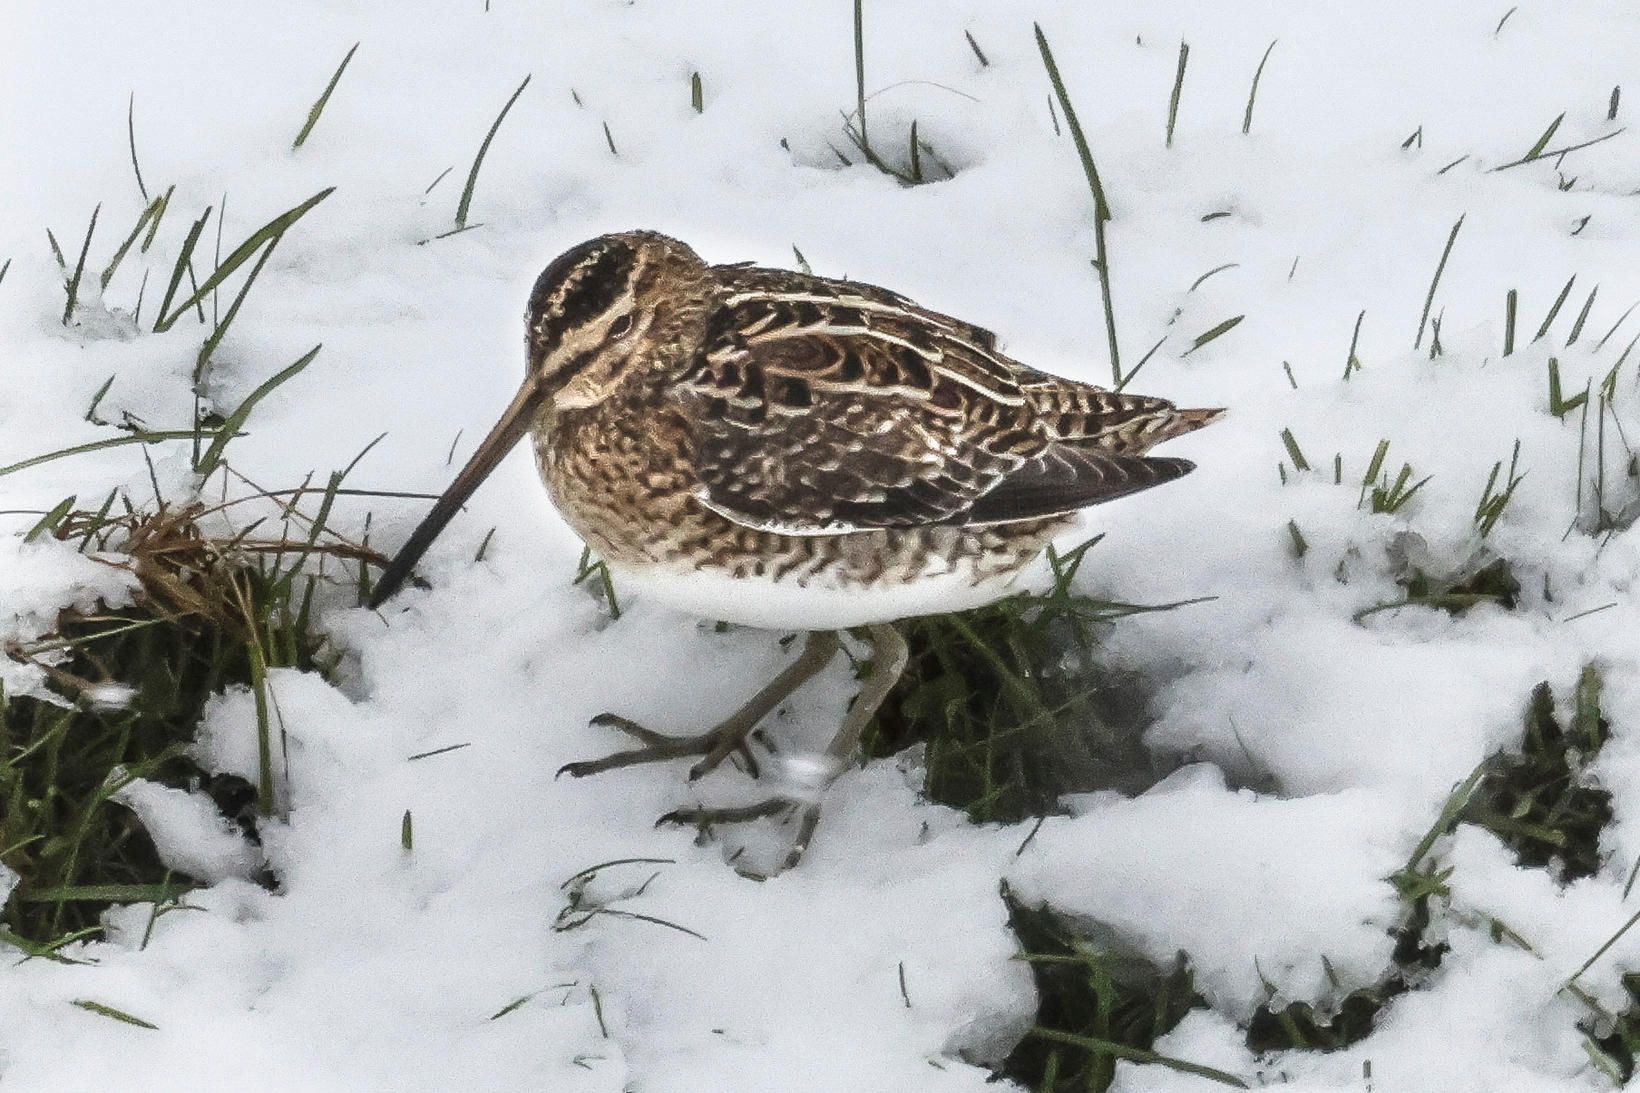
[599,310]
[604,306]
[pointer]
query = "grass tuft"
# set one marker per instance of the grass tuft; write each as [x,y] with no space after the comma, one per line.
[1485,580]
[1095,1006]
[212,609]
[1003,737]
[1495,501]
[266,237]
[1539,801]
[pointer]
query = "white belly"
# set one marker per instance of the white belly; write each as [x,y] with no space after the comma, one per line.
[787,605]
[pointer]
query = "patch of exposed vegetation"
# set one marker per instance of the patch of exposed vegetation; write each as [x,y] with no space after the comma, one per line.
[1010,707]
[1096,1006]
[1613,1043]
[1538,802]
[126,689]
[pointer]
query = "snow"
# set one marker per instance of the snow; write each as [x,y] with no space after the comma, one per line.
[1307,873]
[377,967]
[189,832]
[39,579]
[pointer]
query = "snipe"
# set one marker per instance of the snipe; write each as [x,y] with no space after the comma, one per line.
[792,452]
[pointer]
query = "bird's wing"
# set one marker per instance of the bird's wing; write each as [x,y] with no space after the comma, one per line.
[822,407]
[1080,413]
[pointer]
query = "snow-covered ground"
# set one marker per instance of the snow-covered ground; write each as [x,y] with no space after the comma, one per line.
[374,968]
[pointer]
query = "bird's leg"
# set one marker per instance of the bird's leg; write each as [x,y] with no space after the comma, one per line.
[729,736]
[888,663]
[886,668]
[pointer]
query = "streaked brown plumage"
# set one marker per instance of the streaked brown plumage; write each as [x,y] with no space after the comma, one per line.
[791,451]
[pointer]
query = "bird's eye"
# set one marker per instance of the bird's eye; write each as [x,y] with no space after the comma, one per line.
[621,327]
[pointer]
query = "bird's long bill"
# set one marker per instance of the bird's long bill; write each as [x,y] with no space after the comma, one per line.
[514,421]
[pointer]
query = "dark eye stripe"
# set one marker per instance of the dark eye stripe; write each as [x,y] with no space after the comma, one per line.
[577,364]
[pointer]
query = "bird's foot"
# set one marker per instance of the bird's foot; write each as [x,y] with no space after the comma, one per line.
[806,812]
[713,746]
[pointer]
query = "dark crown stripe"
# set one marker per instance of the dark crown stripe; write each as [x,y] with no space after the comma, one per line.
[579,284]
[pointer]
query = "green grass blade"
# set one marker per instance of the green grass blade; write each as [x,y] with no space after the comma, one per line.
[1456,802]
[324,97]
[50,520]
[1435,282]
[146,437]
[984,62]
[1556,153]
[212,458]
[437,180]
[1178,89]
[1601,344]
[107,893]
[153,225]
[1216,332]
[1252,92]
[860,73]
[184,256]
[478,160]
[203,360]
[1582,317]
[1137,1055]
[1600,952]
[1548,135]
[1134,371]
[73,287]
[109,1011]
[1511,305]
[153,209]
[131,139]
[96,400]
[1101,208]
[264,728]
[1294,451]
[1197,283]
